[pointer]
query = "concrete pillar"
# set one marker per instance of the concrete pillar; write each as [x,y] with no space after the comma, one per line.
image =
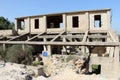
[49,50]
[44,46]
[16,25]
[23,47]
[64,50]
[83,49]
[88,21]
[45,23]
[111,51]
[64,22]
[108,19]
[28,37]
[64,47]
[4,47]
[116,54]
[116,61]
[29,25]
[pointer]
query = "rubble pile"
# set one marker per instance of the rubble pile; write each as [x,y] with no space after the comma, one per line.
[13,71]
[61,70]
[77,65]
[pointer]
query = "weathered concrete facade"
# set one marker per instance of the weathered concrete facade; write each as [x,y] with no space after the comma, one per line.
[57,33]
[84,19]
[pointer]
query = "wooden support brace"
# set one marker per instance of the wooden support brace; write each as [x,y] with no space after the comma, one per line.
[17,37]
[85,37]
[57,36]
[34,37]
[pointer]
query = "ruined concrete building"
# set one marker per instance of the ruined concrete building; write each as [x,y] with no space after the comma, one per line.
[70,33]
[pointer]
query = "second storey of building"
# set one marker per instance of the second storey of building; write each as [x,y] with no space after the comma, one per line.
[79,21]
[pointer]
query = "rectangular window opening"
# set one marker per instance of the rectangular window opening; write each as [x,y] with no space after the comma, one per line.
[21,24]
[97,21]
[75,21]
[36,23]
[55,21]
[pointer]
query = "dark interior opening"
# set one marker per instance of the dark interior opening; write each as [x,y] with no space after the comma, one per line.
[75,21]
[96,69]
[55,21]
[21,24]
[37,49]
[36,23]
[97,21]
[56,49]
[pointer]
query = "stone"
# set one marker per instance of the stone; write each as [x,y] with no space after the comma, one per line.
[23,66]
[28,77]
[2,64]
[80,66]
[41,78]
[41,72]
[31,72]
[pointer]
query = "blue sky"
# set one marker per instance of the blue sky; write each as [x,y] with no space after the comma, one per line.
[16,8]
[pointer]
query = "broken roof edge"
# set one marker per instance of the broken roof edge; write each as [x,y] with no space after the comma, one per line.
[81,11]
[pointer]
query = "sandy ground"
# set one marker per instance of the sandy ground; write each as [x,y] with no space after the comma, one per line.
[15,72]
[70,75]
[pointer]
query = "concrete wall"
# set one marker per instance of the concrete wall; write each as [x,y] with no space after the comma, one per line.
[105,20]
[86,21]
[58,30]
[82,22]
[107,65]
[5,32]
[26,26]
[42,27]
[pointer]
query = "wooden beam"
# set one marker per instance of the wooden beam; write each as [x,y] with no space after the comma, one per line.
[98,31]
[2,37]
[11,36]
[57,36]
[62,36]
[34,36]
[63,43]
[46,36]
[98,36]
[17,37]
[72,36]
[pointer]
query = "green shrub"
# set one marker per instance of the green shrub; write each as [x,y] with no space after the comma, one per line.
[96,69]
[36,63]
[16,54]
[2,53]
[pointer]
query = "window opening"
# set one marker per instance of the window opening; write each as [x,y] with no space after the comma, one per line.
[36,23]
[75,21]
[97,21]
[96,68]
[21,24]
[55,21]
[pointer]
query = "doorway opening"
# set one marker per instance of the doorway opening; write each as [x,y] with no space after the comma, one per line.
[96,68]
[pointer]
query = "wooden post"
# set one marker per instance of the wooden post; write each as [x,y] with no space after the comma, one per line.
[23,47]
[4,48]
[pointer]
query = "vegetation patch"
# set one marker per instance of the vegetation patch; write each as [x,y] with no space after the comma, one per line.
[36,63]
[16,54]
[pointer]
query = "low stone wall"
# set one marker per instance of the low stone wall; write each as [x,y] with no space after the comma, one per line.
[107,65]
[5,32]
